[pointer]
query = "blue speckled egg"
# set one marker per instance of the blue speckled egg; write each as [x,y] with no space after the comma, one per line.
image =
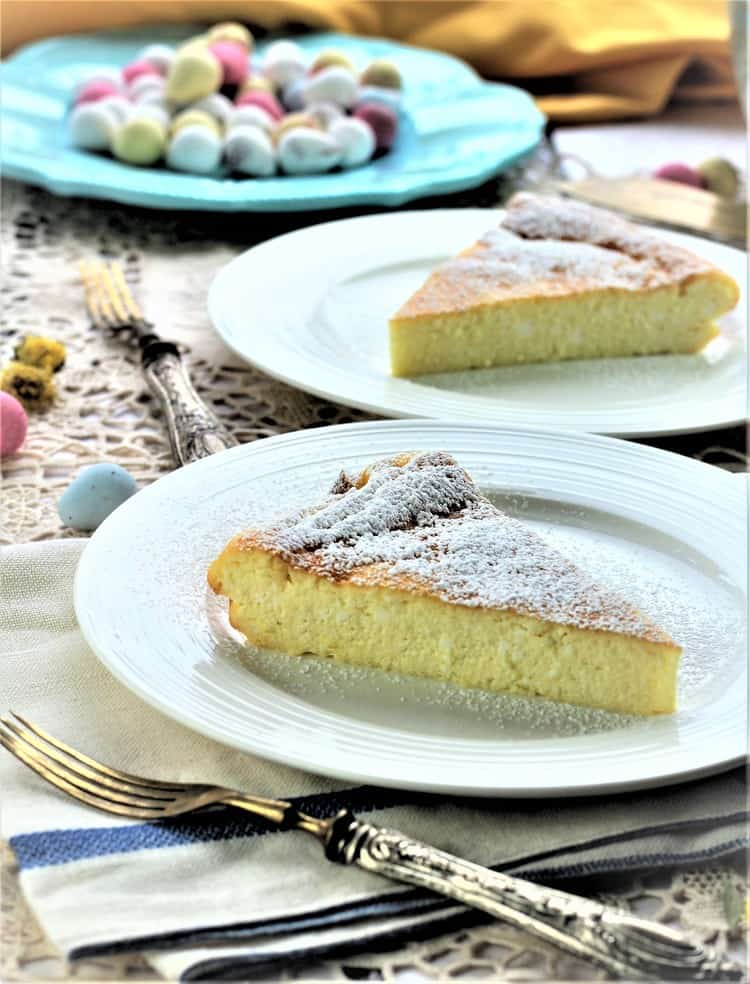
[94,493]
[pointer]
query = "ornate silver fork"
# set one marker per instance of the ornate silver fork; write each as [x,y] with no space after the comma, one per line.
[621,944]
[194,432]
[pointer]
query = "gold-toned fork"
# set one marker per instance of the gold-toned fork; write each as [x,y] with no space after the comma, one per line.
[194,431]
[623,945]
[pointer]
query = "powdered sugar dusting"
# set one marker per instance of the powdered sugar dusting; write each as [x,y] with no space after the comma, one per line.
[553,247]
[420,524]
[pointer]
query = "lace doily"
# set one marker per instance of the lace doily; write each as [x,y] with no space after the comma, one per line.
[104,412]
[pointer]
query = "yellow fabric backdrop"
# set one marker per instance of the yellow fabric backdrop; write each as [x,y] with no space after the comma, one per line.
[592,59]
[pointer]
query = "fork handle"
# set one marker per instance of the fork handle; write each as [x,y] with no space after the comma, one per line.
[194,431]
[621,944]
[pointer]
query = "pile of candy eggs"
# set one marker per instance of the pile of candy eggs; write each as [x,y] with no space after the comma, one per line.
[211,102]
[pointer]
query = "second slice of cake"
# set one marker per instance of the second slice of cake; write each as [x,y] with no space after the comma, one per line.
[559,279]
[408,568]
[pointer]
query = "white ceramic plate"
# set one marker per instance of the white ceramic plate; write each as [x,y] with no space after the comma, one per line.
[666,531]
[311,308]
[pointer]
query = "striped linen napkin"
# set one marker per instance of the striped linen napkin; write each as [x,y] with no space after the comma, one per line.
[216,893]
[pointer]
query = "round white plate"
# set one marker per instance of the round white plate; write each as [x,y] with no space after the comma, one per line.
[311,308]
[667,532]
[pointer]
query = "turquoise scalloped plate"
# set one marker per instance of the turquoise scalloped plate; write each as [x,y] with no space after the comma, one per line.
[456,132]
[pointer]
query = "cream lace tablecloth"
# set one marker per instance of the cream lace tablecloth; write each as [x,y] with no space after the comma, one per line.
[104,412]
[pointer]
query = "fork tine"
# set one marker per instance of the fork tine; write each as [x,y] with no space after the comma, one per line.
[123,290]
[81,782]
[101,803]
[99,768]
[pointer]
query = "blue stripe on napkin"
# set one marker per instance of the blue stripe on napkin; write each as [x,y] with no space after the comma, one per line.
[51,847]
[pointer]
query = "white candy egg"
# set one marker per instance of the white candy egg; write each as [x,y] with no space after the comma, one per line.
[250,115]
[216,105]
[283,62]
[146,84]
[118,106]
[306,151]
[292,94]
[195,149]
[377,93]
[335,84]
[91,127]
[325,113]
[158,111]
[249,150]
[355,138]
[161,56]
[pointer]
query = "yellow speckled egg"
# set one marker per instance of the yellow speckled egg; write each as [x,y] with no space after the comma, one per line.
[232,31]
[381,73]
[139,140]
[292,121]
[194,73]
[194,117]
[720,176]
[329,57]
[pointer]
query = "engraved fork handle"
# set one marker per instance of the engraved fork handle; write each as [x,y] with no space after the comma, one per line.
[623,945]
[194,431]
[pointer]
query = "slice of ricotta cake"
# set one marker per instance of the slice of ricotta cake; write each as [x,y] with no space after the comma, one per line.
[559,279]
[408,568]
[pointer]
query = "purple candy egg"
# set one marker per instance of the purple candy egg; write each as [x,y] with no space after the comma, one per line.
[682,173]
[382,119]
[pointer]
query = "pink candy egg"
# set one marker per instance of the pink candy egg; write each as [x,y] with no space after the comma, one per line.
[234,60]
[682,173]
[13,424]
[96,89]
[256,97]
[383,121]
[136,69]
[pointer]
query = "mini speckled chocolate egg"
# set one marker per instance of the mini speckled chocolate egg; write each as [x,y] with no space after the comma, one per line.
[194,73]
[160,56]
[251,116]
[293,121]
[256,83]
[355,138]
[325,113]
[234,60]
[94,493]
[140,140]
[383,121]
[337,85]
[328,58]
[232,31]
[305,151]
[111,75]
[117,106]
[147,110]
[720,176]
[283,61]
[265,100]
[374,93]
[95,90]
[249,150]
[681,173]
[13,424]
[195,149]
[383,74]
[146,85]
[194,117]
[136,69]
[216,105]
[91,126]
[292,95]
